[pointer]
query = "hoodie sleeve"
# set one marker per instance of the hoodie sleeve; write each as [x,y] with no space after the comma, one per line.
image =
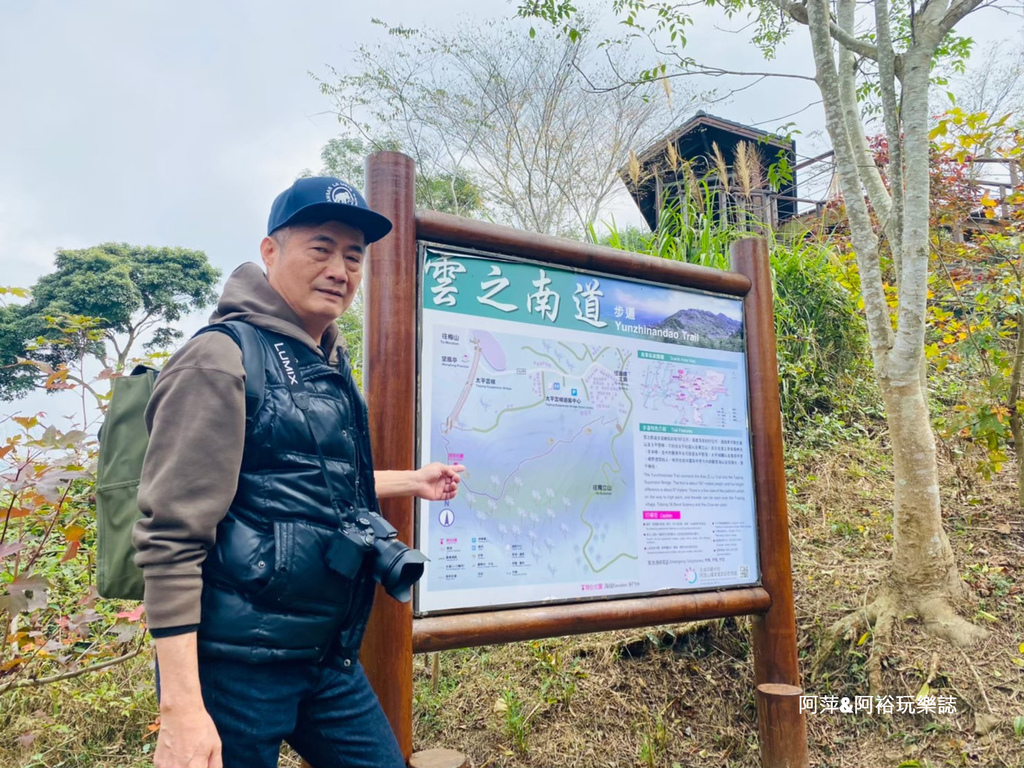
[196,423]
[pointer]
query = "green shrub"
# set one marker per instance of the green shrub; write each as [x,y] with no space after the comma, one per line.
[820,331]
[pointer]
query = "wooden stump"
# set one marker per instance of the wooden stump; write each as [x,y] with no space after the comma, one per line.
[782,726]
[438,758]
[430,758]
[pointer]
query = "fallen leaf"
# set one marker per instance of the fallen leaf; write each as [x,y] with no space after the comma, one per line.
[500,706]
[984,723]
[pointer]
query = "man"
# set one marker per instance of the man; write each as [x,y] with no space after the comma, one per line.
[257,627]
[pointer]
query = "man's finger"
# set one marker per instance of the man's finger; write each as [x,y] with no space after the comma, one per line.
[215,758]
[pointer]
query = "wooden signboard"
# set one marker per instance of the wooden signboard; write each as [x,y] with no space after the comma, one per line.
[672,507]
[603,423]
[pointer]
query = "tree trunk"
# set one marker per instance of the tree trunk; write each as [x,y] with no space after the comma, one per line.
[924,576]
[924,579]
[1013,404]
[924,573]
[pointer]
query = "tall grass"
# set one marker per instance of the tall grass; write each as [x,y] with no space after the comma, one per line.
[821,336]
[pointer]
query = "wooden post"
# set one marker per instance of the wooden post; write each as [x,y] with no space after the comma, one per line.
[783,726]
[389,380]
[783,734]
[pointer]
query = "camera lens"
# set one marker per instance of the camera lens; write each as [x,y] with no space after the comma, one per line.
[397,568]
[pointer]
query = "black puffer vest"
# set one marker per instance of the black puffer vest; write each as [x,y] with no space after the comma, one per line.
[268,594]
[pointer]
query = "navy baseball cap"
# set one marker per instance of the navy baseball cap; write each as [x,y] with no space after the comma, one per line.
[325,198]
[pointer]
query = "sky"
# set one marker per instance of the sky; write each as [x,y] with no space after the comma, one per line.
[177,123]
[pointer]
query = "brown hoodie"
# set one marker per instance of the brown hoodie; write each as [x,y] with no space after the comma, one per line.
[196,422]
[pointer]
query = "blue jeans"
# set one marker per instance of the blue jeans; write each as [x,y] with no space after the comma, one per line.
[330,717]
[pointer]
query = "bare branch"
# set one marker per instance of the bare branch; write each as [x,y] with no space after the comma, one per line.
[691,69]
[956,13]
[798,12]
[33,682]
[542,142]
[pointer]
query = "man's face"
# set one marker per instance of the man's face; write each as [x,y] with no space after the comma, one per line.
[316,269]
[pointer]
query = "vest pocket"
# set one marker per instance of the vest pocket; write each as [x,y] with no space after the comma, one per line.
[301,579]
[243,557]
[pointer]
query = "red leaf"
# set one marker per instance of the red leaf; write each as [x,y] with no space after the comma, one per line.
[135,615]
[71,551]
[26,739]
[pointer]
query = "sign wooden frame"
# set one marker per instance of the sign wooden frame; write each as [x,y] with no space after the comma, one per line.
[390,379]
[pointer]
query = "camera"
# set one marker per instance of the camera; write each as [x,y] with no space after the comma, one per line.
[396,567]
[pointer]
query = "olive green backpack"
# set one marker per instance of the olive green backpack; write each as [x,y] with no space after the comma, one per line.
[123,442]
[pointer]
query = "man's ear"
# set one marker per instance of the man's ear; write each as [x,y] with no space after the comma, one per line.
[270,251]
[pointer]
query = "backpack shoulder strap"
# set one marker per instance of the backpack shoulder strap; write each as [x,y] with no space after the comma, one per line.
[247,338]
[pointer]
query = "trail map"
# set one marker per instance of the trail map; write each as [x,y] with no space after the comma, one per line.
[604,457]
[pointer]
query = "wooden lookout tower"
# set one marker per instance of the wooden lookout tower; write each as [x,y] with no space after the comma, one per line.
[730,158]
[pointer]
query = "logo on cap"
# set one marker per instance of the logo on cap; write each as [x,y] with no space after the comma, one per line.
[339,192]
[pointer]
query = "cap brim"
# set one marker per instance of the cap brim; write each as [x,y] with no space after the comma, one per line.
[373,225]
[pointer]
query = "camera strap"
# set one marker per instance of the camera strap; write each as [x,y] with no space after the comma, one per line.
[289,366]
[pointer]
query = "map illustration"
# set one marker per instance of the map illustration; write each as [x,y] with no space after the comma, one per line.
[678,393]
[549,509]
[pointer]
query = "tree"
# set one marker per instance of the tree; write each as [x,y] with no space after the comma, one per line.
[513,114]
[890,57]
[15,380]
[454,193]
[977,333]
[131,290]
